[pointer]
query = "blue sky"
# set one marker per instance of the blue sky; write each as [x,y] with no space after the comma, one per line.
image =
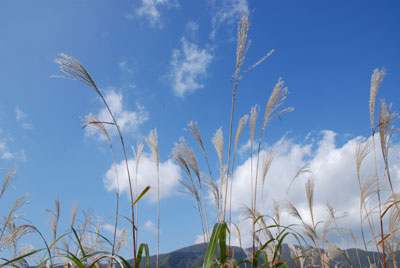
[163,63]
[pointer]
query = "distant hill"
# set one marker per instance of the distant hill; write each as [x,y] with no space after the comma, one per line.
[193,256]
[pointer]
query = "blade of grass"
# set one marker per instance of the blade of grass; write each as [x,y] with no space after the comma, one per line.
[141,194]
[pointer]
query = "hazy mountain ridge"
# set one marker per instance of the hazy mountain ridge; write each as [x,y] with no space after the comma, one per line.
[193,256]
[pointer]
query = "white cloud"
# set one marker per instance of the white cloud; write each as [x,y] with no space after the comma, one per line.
[110,228]
[6,154]
[21,116]
[187,66]
[149,226]
[151,10]
[123,65]
[147,175]
[226,11]
[333,169]
[128,121]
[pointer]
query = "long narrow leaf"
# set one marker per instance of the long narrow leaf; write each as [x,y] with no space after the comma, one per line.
[79,241]
[20,257]
[212,246]
[125,262]
[222,245]
[141,195]
[139,255]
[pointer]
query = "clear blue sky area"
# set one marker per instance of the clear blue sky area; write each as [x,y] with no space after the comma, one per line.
[163,63]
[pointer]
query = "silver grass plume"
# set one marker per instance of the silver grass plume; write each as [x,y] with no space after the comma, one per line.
[7,180]
[152,142]
[253,119]
[303,169]
[276,100]
[266,165]
[194,130]
[242,123]
[215,192]
[309,186]
[73,214]
[12,213]
[218,142]
[386,131]
[121,240]
[376,81]
[73,69]
[362,150]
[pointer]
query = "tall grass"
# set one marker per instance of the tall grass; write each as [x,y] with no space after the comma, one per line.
[83,245]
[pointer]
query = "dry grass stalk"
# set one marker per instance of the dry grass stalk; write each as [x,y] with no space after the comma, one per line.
[152,142]
[218,142]
[137,154]
[92,121]
[74,70]
[194,130]
[239,130]
[386,131]
[184,156]
[366,191]
[241,50]
[376,80]
[121,240]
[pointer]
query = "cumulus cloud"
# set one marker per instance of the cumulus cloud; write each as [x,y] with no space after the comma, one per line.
[187,66]
[151,10]
[333,169]
[147,175]
[128,121]
[226,12]
[149,226]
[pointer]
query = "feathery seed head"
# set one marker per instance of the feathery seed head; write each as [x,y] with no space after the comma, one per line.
[218,141]
[242,123]
[253,119]
[152,142]
[276,99]
[74,70]
[376,81]
[138,153]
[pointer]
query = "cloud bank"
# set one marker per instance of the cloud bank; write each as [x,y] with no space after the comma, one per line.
[333,169]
